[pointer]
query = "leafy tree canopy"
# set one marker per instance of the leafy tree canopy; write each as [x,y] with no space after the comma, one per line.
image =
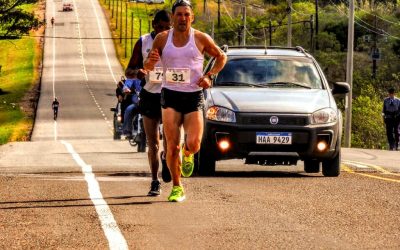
[14,21]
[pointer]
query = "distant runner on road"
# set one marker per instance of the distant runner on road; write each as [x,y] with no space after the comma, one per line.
[55,106]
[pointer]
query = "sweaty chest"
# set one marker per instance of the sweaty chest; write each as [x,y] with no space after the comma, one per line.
[188,52]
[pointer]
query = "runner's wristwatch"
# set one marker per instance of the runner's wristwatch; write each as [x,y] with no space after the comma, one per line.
[210,75]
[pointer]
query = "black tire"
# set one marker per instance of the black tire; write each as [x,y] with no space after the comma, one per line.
[205,163]
[331,167]
[141,146]
[116,134]
[311,166]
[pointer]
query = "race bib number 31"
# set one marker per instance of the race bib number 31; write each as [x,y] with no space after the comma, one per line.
[178,75]
[156,75]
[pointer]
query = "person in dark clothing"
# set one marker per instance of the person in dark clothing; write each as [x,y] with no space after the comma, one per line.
[391,117]
[119,93]
[55,106]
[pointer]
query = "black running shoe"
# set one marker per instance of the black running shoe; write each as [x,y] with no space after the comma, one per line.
[165,174]
[155,188]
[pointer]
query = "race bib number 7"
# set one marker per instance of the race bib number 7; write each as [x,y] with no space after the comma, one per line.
[178,75]
[156,75]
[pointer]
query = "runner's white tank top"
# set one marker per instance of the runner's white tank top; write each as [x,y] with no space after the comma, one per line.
[153,86]
[183,66]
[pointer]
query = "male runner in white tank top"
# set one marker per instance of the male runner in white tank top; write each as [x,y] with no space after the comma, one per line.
[181,51]
[149,104]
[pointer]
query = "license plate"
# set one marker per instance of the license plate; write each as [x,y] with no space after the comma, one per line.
[274,138]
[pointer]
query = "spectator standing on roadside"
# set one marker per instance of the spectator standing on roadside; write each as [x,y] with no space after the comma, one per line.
[181,51]
[149,104]
[391,117]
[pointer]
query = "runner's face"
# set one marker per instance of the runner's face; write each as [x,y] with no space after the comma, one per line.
[183,18]
[161,26]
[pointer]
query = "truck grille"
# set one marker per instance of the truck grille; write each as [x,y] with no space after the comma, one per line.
[257,119]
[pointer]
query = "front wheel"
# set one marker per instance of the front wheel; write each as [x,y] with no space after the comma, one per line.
[142,142]
[331,167]
[205,162]
[116,134]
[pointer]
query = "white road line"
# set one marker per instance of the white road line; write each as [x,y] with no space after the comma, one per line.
[80,42]
[110,227]
[82,55]
[102,42]
[355,164]
[53,69]
[55,131]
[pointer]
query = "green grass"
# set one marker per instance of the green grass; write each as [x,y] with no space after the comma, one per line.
[17,76]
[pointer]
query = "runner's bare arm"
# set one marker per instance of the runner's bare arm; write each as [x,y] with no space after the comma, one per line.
[207,45]
[156,50]
[214,51]
[136,61]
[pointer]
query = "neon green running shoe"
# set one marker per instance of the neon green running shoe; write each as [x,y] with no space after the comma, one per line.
[177,194]
[187,163]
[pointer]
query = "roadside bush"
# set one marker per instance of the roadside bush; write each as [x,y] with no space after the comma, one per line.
[368,129]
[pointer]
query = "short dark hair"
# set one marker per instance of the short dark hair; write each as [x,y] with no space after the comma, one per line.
[391,91]
[181,3]
[162,15]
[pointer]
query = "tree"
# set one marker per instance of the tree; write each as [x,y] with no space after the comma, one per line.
[14,21]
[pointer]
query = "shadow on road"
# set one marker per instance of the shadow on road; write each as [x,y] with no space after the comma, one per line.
[136,174]
[269,174]
[63,203]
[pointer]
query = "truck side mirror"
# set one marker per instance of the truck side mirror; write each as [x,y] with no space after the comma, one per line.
[340,88]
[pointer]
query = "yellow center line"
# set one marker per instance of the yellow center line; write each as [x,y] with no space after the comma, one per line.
[384,171]
[349,170]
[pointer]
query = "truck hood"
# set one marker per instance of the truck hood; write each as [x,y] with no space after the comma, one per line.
[288,100]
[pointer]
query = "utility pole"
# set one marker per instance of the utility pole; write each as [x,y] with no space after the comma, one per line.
[116,21]
[374,50]
[289,32]
[212,29]
[349,74]
[270,32]
[126,28]
[316,25]
[244,23]
[219,14]
[120,19]
[312,34]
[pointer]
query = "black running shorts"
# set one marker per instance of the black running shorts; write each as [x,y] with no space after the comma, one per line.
[182,102]
[149,104]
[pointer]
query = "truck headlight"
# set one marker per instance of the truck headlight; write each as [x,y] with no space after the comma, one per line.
[220,114]
[326,115]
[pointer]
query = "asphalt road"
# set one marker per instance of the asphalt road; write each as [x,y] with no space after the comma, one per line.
[73,187]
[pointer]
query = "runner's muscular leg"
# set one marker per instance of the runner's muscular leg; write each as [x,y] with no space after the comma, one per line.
[172,121]
[153,142]
[193,125]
